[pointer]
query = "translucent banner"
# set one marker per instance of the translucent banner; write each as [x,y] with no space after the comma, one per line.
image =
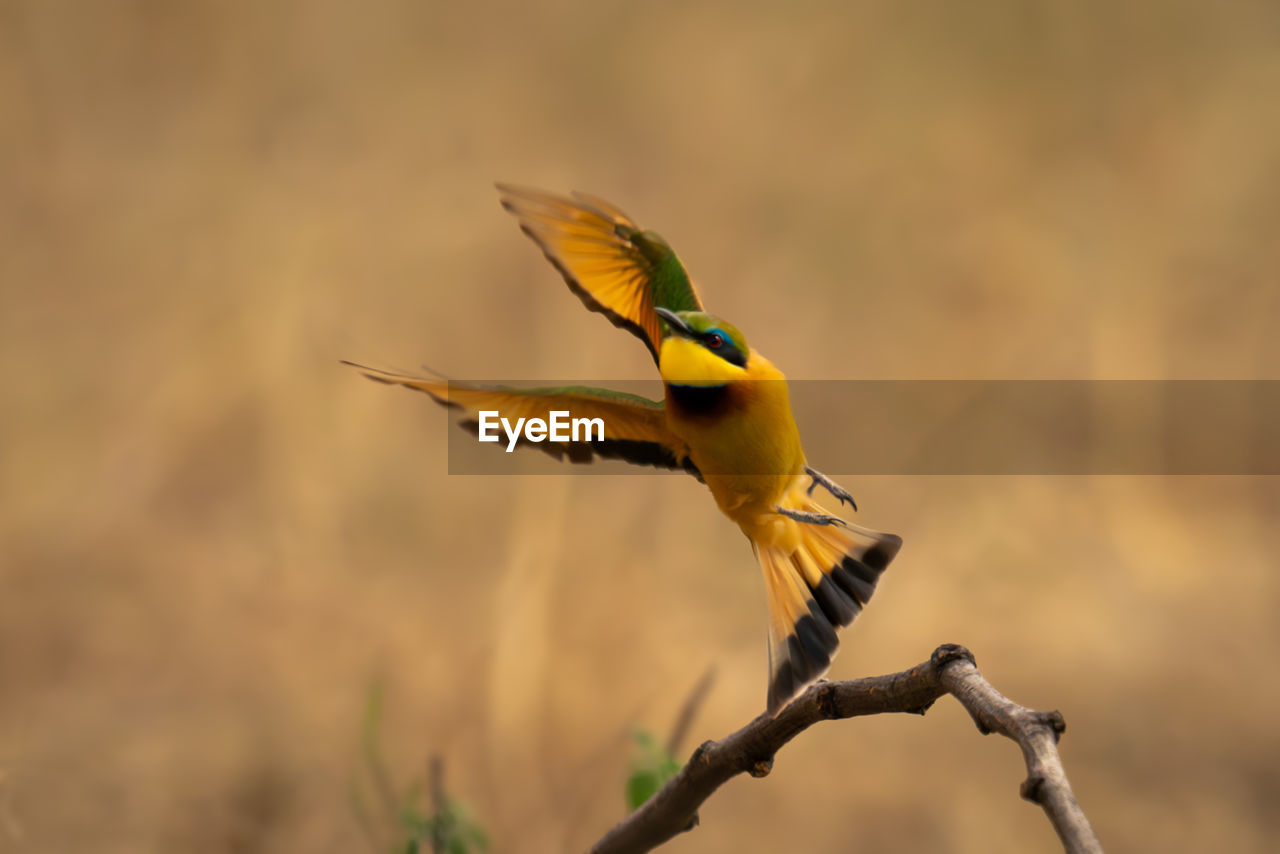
[914,427]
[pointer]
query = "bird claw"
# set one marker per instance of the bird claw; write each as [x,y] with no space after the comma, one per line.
[837,491]
[811,518]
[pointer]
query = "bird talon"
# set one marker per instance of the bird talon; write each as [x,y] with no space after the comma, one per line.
[838,492]
[811,518]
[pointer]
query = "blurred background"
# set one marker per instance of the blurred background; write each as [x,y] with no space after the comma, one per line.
[215,539]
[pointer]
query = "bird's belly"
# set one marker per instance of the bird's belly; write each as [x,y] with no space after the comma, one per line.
[748,463]
[752,502]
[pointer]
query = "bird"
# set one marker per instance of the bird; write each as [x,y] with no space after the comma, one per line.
[725,418]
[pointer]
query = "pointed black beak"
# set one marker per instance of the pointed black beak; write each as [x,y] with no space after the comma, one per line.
[677,325]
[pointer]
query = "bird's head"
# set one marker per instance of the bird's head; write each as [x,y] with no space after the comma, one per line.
[701,349]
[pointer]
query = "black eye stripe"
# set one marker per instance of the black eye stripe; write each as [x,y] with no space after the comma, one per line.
[724,347]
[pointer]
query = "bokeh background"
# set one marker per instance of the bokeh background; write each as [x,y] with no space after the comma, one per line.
[215,540]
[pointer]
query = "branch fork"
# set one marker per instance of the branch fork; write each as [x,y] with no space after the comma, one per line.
[751,750]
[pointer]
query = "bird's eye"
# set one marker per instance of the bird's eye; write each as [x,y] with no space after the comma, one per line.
[714,341]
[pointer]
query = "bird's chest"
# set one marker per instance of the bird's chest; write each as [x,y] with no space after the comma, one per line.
[743,439]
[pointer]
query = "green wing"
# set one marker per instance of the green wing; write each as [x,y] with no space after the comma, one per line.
[614,266]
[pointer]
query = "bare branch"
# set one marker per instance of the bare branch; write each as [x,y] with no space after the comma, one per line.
[950,670]
[1037,734]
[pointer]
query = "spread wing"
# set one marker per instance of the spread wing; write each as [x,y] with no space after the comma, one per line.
[614,266]
[635,428]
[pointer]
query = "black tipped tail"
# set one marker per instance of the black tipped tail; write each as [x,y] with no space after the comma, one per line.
[814,590]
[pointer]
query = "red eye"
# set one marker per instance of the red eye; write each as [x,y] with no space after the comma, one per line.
[715,342]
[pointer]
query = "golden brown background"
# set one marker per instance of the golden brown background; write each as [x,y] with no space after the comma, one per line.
[215,539]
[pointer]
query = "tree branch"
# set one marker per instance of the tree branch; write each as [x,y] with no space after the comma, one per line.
[950,670]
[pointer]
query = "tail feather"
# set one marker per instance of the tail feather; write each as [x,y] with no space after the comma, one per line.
[814,588]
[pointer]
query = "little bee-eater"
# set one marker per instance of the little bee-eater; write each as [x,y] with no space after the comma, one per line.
[726,419]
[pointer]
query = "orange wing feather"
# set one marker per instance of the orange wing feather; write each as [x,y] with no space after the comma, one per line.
[614,266]
[635,428]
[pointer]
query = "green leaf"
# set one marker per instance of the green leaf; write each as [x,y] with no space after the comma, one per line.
[641,786]
[651,767]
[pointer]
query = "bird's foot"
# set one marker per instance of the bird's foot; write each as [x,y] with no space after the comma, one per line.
[829,485]
[812,518]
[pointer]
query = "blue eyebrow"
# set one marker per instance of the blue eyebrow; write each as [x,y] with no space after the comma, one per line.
[728,339]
